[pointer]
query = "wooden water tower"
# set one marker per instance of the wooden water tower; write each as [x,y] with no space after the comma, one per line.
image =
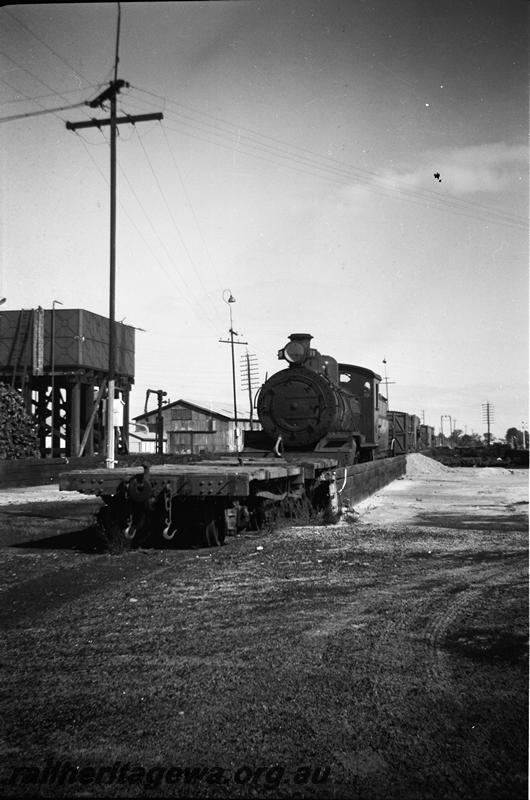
[58,359]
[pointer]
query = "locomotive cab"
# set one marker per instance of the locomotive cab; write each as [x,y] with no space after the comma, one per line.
[363,383]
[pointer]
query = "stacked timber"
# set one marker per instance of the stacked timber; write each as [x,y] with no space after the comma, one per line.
[18,430]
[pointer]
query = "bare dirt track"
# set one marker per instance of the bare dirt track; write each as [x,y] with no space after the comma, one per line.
[391,648]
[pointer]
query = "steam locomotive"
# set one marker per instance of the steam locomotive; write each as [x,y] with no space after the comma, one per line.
[327,408]
[327,440]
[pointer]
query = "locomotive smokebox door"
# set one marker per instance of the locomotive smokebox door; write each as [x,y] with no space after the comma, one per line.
[298,405]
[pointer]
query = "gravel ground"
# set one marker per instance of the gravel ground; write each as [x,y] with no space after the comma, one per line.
[382,657]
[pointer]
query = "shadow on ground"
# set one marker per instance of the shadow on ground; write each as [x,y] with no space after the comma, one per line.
[489,645]
[86,540]
[483,522]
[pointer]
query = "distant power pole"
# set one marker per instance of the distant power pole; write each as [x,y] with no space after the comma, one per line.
[109,95]
[249,378]
[446,416]
[387,382]
[488,416]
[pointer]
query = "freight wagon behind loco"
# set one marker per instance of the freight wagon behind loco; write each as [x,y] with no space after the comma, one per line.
[404,432]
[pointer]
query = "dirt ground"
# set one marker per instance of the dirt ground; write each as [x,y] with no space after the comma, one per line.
[382,657]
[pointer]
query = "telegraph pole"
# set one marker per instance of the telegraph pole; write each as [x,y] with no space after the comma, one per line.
[109,95]
[488,416]
[249,378]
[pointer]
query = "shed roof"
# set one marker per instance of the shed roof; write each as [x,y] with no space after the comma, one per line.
[219,410]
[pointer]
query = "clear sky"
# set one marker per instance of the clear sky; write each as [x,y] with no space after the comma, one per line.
[295,167]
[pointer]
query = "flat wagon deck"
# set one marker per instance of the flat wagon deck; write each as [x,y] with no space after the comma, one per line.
[206,500]
[205,479]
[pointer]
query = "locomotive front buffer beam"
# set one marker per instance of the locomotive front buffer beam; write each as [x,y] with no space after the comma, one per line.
[192,505]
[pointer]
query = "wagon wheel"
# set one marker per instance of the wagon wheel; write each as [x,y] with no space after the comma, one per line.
[331,516]
[298,508]
[265,516]
[213,537]
[111,531]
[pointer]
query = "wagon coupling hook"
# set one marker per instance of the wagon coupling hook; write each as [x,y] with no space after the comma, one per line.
[167,533]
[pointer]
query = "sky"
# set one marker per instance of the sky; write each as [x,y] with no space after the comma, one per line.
[295,169]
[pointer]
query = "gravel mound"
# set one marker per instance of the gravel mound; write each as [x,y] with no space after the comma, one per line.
[419,466]
[494,472]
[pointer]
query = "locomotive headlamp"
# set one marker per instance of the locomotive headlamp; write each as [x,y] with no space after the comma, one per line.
[294,352]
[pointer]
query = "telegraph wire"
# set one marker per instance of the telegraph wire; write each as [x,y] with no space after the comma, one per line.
[25,97]
[155,232]
[171,259]
[55,53]
[38,113]
[46,96]
[233,129]
[340,176]
[169,274]
[334,174]
[314,160]
[387,191]
[29,72]
[19,91]
[372,181]
[181,237]
[377,185]
[170,212]
[188,200]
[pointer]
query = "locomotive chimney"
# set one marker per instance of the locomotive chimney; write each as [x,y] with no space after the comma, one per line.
[303,338]
[297,351]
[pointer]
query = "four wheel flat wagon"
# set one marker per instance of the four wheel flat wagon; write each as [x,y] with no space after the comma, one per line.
[205,501]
